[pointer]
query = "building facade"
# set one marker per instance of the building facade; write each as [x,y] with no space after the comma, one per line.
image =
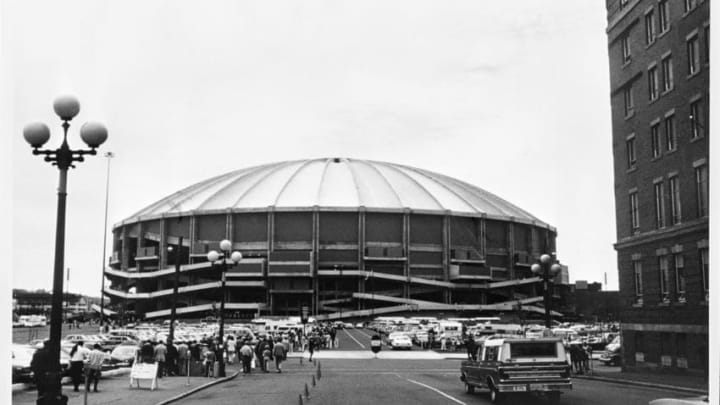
[659,74]
[342,237]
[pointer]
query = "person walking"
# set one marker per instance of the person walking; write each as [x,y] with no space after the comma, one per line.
[279,354]
[443,342]
[40,365]
[160,354]
[231,347]
[311,347]
[95,360]
[183,355]
[246,355]
[146,352]
[78,355]
[171,359]
[209,361]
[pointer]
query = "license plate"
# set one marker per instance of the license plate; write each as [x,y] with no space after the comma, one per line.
[519,388]
[537,387]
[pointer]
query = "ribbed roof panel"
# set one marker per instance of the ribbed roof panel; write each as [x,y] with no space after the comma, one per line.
[336,183]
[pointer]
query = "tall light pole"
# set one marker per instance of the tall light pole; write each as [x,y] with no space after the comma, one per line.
[108,155]
[171,333]
[37,134]
[547,272]
[213,256]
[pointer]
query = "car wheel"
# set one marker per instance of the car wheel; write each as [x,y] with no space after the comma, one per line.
[469,389]
[495,396]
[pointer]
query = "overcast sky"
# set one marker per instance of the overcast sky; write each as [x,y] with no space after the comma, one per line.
[510,96]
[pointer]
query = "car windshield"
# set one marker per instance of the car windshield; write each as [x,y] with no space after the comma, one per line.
[533,349]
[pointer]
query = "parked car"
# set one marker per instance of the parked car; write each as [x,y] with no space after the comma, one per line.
[123,355]
[401,342]
[22,356]
[516,365]
[612,356]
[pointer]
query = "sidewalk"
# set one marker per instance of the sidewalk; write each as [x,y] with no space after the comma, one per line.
[116,389]
[678,382]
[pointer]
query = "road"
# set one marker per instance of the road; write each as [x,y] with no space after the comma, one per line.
[396,381]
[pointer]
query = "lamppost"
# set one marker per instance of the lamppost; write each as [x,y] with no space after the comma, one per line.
[171,333]
[546,271]
[37,134]
[108,155]
[213,256]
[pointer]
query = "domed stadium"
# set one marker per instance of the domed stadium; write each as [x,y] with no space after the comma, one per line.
[346,238]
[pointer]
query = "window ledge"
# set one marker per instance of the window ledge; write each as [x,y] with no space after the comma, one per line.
[662,34]
[630,115]
[690,76]
[663,304]
[651,43]
[653,100]
[670,152]
[656,158]
[631,169]
[626,63]
[665,92]
[697,138]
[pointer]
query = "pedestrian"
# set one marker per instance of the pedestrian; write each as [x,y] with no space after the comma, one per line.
[470,345]
[585,356]
[246,355]
[266,358]
[279,354]
[183,354]
[95,360]
[171,359]
[146,352]
[443,342]
[333,335]
[78,355]
[260,350]
[311,347]
[209,362]
[231,347]
[40,365]
[160,354]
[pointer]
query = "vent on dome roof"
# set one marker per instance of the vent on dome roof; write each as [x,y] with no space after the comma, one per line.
[336,160]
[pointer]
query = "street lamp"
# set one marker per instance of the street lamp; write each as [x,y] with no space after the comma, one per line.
[37,134]
[213,256]
[546,272]
[108,155]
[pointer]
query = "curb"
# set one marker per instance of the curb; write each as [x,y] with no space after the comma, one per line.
[196,389]
[643,384]
[66,380]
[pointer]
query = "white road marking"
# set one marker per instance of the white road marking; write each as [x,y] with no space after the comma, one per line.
[369,337]
[353,338]
[434,389]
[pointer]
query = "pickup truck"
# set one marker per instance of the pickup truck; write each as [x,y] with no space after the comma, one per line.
[518,365]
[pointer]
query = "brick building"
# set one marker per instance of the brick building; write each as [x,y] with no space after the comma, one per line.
[659,77]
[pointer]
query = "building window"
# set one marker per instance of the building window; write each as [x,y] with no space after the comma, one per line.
[667,72]
[659,205]
[706,44]
[652,83]
[663,15]
[704,267]
[634,213]
[679,277]
[655,140]
[675,200]
[625,45]
[701,185]
[631,159]
[690,5]
[628,99]
[623,4]
[637,270]
[696,119]
[663,266]
[670,144]
[693,55]
[650,27]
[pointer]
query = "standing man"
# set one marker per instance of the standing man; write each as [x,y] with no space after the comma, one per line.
[246,354]
[183,354]
[279,354]
[160,353]
[94,366]
[40,365]
[171,359]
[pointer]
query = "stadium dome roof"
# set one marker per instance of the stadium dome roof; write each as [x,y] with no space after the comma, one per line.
[339,183]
